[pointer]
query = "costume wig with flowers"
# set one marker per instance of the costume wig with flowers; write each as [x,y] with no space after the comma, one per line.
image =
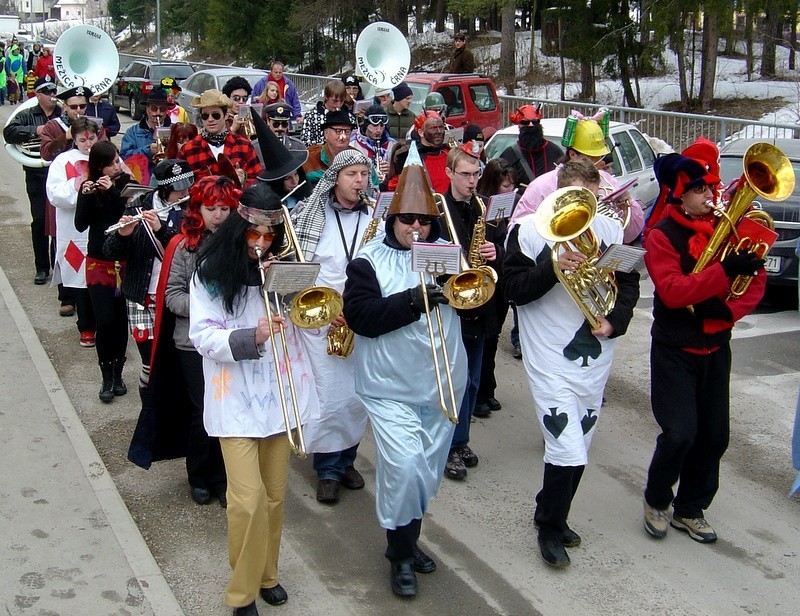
[212,190]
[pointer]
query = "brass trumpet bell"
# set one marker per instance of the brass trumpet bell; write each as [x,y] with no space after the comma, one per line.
[315,307]
[769,172]
[566,214]
[471,288]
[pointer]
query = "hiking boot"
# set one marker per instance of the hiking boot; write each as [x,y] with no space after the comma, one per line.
[468,457]
[698,529]
[656,521]
[455,469]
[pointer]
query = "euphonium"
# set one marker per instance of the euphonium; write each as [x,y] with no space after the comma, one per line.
[616,209]
[564,217]
[768,173]
[475,285]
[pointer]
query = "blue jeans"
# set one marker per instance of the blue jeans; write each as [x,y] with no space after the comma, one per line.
[514,336]
[474,350]
[332,465]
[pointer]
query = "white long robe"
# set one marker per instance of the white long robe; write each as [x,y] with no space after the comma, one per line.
[64,178]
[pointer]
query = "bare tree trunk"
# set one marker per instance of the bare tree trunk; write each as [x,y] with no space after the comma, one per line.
[508,47]
[441,15]
[418,17]
[708,68]
[771,36]
[748,38]
[561,56]
[729,30]
[533,60]
[793,38]
[624,58]
[677,44]
[400,17]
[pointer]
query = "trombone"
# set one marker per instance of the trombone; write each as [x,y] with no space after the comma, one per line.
[297,444]
[452,416]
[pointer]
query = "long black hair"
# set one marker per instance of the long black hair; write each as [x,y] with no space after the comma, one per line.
[102,154]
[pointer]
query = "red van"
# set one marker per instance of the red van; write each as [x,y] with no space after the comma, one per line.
[471,98]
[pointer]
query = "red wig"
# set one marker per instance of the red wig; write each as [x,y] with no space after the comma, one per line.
[179,132]
[212,190]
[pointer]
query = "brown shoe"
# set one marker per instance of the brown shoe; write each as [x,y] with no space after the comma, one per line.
[328,491]
[352,479]
[67,310]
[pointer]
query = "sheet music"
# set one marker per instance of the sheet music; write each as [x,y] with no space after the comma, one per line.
[500,206]
[284,278]
[382,204]
[621,258]
[436,259]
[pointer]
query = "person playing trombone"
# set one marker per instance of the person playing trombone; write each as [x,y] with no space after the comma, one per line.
[229,328]
[389,309]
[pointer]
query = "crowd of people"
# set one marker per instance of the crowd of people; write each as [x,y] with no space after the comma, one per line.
[172,240]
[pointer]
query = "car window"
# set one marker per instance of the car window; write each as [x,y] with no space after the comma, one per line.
[627,152]
[648,156]
[190,83]
[176,71]
[481,95]
[453,98]
[420,91]
[137,70]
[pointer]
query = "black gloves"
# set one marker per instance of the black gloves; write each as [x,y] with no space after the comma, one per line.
[435,296]
[741,264]
[713,308]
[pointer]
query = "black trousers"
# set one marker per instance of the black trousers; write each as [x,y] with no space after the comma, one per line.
[83,308]
[35,187]
[401,541]
[690,396]
[559,485]
[111,321]
[205,467]
[488,383]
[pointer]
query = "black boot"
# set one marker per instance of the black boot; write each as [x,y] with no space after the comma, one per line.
[107,389]
[119,385]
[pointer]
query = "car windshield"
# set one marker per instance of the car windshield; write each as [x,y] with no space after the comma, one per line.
[420,91]
[176,71]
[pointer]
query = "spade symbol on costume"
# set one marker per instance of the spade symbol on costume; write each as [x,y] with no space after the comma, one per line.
[587,423]
[583,345]
[555,422]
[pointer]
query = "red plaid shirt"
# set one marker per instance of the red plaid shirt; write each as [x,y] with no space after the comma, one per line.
[202,161]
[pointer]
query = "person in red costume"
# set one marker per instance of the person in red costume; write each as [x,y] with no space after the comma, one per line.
[532,154]
[690,356]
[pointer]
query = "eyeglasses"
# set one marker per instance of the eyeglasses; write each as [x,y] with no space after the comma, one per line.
[378,119]
[468,176]
[214,114]
[280,123]
[527,122]
[157,108]
[341,132]
[408,219]
[254,235]
[76,107]
[238,98]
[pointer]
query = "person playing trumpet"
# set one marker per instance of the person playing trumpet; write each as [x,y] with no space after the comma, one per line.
[142,138]
[229,327]
[330,226]
[385,305]
[237,89]
[567,363]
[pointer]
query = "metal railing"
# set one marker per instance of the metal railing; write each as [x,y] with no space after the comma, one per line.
[676,129]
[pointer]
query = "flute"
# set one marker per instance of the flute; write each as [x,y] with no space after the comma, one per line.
[95,185]
[165,207]
[291,192]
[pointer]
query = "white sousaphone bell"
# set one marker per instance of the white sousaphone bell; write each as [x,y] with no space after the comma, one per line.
[382,55]
[83,56]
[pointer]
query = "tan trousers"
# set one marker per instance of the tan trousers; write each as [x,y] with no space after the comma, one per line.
[257,470]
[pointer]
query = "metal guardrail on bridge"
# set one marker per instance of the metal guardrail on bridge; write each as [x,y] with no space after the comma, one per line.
[676,129]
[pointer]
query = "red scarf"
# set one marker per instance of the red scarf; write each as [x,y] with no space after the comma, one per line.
[702,227]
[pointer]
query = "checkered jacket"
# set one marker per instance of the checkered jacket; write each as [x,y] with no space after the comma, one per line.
[202,161]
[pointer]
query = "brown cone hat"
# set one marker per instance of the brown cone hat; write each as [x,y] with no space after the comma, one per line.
[413,194]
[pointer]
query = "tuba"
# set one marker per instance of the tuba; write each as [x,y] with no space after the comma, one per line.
[83,56]
[768,173]
[564,217]
[382,55]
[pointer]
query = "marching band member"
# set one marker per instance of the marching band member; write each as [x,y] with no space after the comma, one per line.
[463,171]
[337,126]
[330,225]
[141,138]
[229,328]
[690,356]
[384,306]
[237,89]
[567,364]
[332,100]
[532,155]
[372,140]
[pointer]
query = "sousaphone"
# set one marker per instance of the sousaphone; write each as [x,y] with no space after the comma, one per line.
[382,55]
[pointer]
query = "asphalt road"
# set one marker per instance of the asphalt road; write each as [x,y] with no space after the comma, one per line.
[480,530]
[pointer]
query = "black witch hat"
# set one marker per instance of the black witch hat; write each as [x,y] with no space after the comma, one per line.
[278,160]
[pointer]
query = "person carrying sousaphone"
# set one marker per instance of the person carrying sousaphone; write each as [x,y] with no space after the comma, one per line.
[330,227]
[385,305]
[229,327]
[566,360]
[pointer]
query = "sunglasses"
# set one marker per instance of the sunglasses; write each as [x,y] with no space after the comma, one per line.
[280,123]
[378,119]
[253,235]
[238,99]
[76,107]
[157,108]
[408,219]
[214,114]
[527,122]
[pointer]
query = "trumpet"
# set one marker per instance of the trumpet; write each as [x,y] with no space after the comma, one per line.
[296,441]
[161,153]
[166,207]
[452,415]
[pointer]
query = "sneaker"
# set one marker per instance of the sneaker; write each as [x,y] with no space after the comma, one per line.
[698,529]
[87,339]
[455,469]
[468,457]
[517,353]
[656,521]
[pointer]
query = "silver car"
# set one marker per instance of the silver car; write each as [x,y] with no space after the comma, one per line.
[212,78]
[633,157]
